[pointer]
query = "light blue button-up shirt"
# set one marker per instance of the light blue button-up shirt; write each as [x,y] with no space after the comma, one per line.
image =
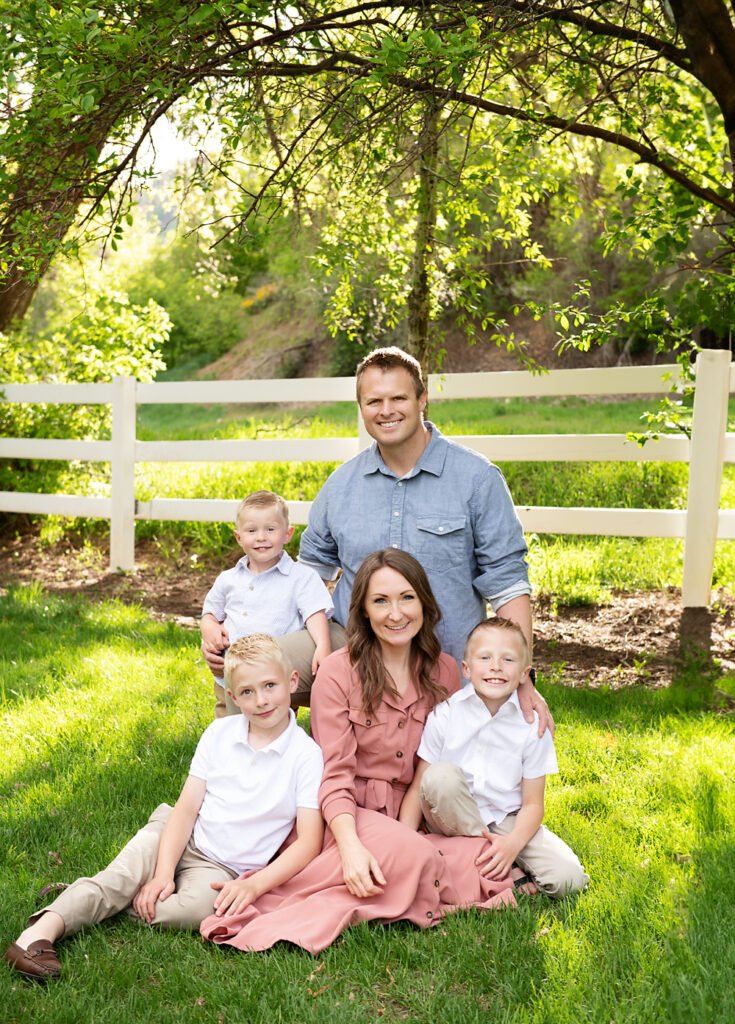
[452,511]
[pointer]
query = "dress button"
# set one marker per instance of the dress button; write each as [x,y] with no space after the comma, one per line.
[396,513]
[394,781]
[441,529]
[399,754]
[401,725]
[429,914]
[437,883]
[368,721]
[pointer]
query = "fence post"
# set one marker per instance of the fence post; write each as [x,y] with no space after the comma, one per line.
[706,461]
[122,522]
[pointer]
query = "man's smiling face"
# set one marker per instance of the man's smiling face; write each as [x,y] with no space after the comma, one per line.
[391,410]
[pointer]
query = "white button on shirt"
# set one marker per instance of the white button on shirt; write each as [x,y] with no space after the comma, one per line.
[252,795]
[495,752]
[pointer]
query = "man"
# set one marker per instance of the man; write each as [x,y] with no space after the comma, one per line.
[414,489]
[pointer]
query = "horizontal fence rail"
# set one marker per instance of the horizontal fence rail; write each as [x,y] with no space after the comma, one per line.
[701,524]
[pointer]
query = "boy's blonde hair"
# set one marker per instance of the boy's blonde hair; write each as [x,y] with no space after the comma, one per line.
[262,499]
[499,623]
[252,649]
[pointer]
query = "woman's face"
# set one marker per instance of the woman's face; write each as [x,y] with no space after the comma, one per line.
[393,608]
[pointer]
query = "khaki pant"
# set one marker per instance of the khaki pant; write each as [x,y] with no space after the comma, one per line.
[91,900]
[299,647]
[449,809]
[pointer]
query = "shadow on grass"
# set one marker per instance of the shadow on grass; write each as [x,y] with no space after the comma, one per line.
[701,952]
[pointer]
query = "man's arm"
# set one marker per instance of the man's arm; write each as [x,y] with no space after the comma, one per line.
[237,895]
[175,836]
[518,609]
[318,548]
[497,861]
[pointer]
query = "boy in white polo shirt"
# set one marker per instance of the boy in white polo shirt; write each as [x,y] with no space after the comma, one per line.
[265,592]
[482,768]
[252,776]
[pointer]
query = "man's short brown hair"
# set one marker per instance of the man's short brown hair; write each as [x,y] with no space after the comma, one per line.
[391,358]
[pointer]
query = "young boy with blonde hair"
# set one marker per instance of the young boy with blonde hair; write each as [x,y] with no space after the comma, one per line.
[482,768]
[252,776]
[265,592]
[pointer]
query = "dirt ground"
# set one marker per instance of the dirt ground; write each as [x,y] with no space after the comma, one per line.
[633,639]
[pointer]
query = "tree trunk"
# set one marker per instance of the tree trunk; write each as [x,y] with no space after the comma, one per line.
[419,299]
[708,33]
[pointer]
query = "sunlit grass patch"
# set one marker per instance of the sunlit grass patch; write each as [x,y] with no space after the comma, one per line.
[585,570]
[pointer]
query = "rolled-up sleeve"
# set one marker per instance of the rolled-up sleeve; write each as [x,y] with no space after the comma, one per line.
[332,729]
[500,547]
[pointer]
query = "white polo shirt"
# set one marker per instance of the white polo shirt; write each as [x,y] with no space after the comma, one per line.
[252,795]
[495,752]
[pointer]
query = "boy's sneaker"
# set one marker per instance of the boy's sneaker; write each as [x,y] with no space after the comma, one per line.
[39,962]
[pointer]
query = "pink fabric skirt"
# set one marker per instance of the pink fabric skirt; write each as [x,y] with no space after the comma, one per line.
[427,877]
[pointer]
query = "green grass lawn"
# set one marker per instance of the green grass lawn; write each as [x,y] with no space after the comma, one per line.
[101,710]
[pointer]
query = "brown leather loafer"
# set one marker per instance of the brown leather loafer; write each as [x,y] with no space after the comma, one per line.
[39,962]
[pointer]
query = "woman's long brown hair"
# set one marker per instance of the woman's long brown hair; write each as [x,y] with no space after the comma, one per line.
[363,645]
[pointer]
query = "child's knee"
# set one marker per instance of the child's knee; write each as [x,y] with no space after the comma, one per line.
[184,910]
[441,781]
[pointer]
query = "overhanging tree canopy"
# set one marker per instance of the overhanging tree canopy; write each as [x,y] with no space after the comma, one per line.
[84,84]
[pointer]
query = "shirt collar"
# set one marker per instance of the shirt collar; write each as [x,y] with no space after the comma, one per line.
[510,706]
[283,565]
[279,744]
[431,461]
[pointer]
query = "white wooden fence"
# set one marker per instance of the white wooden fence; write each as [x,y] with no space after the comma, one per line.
[709,447]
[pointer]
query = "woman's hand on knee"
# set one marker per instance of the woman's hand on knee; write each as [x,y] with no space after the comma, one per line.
[361,871]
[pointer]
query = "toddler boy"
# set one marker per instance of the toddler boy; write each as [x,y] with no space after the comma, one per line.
[482,767]
[265,592]
[251,777]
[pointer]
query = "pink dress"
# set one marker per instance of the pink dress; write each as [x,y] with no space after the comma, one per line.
[369,763]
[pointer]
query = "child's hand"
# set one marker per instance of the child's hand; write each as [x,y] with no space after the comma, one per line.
[497,861]
[214,634]
[144,901]
[214,639]
[320,654]
[235,896]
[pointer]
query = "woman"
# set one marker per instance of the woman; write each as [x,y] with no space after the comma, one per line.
[369,704]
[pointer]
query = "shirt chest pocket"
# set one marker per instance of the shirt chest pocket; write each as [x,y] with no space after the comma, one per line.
[441,542]
[370,730]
